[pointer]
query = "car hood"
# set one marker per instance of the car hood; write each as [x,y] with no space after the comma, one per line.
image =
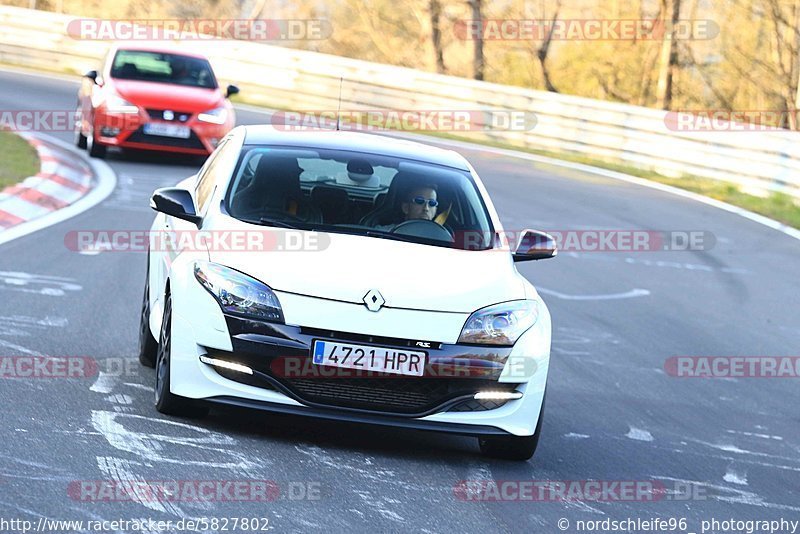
[408,275]
[168,96]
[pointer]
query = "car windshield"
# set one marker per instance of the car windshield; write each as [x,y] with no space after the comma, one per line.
[163,68]
[358,193]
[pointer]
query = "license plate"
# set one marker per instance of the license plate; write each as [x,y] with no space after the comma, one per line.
[368,358]
[167,130]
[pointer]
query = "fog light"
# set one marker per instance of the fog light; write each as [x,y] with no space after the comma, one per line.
[106,131]
[226,365]
[498,395]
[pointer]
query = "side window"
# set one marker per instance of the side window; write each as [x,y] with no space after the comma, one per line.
[207,179]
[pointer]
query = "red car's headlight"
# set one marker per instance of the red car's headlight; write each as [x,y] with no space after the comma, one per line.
[117,104]
[214,116]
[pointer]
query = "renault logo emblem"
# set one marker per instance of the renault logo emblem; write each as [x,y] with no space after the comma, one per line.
[374,300]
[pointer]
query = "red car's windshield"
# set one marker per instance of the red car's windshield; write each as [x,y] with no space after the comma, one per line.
[163,68]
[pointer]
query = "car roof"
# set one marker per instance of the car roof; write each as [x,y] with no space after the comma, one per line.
[370,143]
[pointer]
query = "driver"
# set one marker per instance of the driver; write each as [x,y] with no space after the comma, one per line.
[420,203]
[180,71]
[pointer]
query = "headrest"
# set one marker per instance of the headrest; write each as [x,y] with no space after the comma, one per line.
[359,170]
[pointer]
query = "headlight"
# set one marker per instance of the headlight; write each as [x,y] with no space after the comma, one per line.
[238,293]
[117,104]
[214,116]
[501,324]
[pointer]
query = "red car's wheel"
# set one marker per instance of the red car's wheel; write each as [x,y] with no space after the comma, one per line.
[96,150]
[80,139]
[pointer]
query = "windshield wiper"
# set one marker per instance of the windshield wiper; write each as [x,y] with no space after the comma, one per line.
[388,235]
[266,221]
[273,222]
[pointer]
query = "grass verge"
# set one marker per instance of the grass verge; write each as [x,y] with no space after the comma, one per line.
[18,159]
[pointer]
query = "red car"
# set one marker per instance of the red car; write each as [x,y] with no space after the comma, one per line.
[153,99]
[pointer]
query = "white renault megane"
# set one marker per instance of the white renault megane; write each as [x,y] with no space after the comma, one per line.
[345,276]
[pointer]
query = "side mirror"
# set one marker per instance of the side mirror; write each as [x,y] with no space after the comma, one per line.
[232,90]
[92,75]
[534,245]
[175,202]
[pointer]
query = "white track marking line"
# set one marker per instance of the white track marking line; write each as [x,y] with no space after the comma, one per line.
[633,293]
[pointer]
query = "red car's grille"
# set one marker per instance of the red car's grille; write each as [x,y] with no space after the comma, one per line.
[169,115]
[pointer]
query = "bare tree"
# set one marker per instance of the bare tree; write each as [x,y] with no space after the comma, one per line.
[477,21]
[668,62]
[541,53]
[435,8]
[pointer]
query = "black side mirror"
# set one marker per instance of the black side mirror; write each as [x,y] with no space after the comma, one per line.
[232,90]
[175,202]
[92,75]
[534,245]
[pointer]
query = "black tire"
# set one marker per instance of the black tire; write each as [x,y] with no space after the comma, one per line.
[518,448]
[80,139]
[97,150]
[148,346]
[167,402]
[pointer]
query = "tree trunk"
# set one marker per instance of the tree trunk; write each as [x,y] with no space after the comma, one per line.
[668,64]
[477,58]
[436,35]
[793,118]
[541,54]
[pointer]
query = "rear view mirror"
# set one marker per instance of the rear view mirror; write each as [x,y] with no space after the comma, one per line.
[232,90]
[535,245]
[92,75]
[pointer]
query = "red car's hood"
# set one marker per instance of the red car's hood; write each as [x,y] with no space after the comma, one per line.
[168,96]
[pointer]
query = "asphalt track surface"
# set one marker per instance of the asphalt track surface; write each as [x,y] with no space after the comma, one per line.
[613,414]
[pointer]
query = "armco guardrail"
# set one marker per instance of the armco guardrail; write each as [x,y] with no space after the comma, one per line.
[300,80]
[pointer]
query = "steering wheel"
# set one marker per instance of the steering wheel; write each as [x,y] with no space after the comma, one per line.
[425,229]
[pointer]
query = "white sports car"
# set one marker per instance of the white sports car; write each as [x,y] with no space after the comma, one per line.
[345,276]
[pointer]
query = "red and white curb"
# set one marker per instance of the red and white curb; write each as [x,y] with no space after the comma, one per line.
[68,183]
[62,179]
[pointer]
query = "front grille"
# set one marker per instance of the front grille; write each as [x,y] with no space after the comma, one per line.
[473,405]
[177,116]
[412,395]
[140,137]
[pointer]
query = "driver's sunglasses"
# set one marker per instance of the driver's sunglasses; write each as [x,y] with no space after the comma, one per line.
[431,202]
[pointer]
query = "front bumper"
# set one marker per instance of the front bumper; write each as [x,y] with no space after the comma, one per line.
[129,133]
[201,329]
[279,357]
